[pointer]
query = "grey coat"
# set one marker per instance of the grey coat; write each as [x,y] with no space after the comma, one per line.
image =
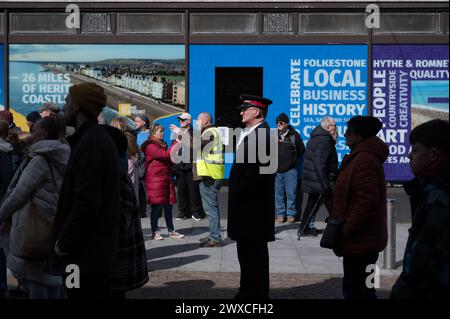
[32,183]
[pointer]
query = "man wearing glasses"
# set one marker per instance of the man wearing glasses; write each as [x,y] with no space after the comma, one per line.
[188,192]
[319,173]
[251,201]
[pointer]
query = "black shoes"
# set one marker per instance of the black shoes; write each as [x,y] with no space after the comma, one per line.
[318,231]
[309,232]
[211,244]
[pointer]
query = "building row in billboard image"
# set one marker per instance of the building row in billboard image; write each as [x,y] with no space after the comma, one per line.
[140,76]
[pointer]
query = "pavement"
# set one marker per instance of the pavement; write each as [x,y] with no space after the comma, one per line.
[180,268]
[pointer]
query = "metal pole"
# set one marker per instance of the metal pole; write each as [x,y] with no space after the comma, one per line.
[389,261]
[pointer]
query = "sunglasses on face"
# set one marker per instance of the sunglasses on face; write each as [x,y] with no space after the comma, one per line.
[281,123]
[182,120]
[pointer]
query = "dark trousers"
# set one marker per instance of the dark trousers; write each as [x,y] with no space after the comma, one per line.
[3,285]
[154,216]
[254,261]
[312,207]
[188,196]
[354,282]
[91,287]
[299,200]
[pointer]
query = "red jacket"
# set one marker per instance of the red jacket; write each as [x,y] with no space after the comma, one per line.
[158,179]
[360,198]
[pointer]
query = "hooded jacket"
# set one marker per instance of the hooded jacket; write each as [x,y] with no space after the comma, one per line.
[360,198]
[320,162]
[33,185]
[34,180]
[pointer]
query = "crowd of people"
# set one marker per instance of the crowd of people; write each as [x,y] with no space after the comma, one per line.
[73,191]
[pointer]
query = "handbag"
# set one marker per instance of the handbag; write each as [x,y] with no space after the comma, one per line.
[35,236]
[36,230]
[332,233]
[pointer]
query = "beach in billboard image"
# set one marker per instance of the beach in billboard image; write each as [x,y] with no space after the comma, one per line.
[429,100]
[137,79]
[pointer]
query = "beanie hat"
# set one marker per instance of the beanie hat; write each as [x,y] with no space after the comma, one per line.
[283,118]
[365,126]
[89,97]
[33,116]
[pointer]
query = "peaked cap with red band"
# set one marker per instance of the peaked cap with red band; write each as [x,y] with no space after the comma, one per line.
[254,101]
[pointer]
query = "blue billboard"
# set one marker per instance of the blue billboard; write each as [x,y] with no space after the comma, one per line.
[307,82]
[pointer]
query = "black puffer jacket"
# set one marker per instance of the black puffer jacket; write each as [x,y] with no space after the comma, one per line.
[321,162]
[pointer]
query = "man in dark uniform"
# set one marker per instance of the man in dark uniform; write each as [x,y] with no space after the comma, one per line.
[251,207]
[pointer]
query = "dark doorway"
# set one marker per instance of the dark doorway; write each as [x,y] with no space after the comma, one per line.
[230,83]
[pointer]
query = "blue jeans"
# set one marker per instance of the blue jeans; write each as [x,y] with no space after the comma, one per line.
[286,183]
[154,216]
[209,189]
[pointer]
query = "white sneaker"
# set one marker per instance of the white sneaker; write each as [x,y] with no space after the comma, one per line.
[157,236]
[175,235]
[196,218]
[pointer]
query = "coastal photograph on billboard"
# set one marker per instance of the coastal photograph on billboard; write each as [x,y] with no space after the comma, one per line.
[137,79]
[409,87]
[429,100]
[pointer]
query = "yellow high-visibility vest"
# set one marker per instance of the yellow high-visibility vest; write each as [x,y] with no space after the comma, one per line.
[211,163]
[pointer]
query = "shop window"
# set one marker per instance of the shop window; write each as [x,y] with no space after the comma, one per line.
[39,23]
[350,23]
[223,23]
[408,23]
[156,23]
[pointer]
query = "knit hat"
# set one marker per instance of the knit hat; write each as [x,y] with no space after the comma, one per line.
[89,97]
[282,118]
[33,116]
[365,126]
